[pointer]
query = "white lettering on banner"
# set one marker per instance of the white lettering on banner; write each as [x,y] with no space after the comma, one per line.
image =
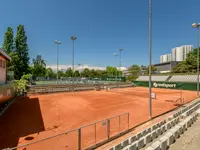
[51,90]
[166,85]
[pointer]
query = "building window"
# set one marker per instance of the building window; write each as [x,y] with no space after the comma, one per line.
[4,64]
[0,63]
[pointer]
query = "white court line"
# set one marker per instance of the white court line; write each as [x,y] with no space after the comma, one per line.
[93,109]
[115,105]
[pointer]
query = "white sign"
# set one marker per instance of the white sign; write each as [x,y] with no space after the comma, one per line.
[166,85]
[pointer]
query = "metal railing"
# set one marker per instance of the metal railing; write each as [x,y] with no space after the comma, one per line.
[113,126]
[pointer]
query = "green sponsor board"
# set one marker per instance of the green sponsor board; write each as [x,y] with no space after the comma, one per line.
[168,85]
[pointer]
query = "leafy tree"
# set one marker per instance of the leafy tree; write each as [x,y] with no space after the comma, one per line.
[68,72]
[61,73]
[153,69]
[49,73]
[93,73]
[101,73]
[22,52]
[86,73]
[8,41]
[111,71]
[181,67]
[76,73]
[8,46]
[189,64]
[134,70]
[39,66]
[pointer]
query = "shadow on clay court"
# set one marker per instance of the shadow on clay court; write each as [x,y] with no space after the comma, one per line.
[21,119]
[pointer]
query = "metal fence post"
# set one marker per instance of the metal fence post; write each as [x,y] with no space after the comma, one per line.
[79,139]
[128,120]
[119,123]
[108,128]
[95,134]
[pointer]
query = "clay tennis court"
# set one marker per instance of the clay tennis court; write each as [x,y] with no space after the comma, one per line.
[40,116]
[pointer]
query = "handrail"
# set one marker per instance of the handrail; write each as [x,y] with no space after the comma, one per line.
[65,133]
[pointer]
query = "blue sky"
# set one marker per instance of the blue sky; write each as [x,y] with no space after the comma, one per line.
[101,27]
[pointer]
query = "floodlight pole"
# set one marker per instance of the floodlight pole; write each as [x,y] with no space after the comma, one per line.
[197,25]
[73,38]
[150,57]
[57,43]
[198,48]
[116,54]
[120,60]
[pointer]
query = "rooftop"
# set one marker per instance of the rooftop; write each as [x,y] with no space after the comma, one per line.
[3,53]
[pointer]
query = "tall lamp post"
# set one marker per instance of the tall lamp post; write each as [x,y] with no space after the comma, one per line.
[197,25]
[57,43]
[150,57]
[73,38]
[120,60]
[116,54]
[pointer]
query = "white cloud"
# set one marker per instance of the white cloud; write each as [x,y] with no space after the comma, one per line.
[79,67]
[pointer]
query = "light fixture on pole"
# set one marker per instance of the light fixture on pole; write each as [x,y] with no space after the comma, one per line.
[197,25]
[116,54]
[73,38]
[57,43]
[150,57]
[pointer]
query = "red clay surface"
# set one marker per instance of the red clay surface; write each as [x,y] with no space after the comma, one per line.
[36,117]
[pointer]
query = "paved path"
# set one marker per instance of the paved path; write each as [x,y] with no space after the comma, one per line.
[190,140]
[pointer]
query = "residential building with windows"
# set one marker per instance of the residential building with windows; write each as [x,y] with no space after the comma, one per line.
[180,53]
[165,58]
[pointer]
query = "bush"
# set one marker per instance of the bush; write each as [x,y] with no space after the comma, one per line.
[20,86]
[26,77]
[131,78]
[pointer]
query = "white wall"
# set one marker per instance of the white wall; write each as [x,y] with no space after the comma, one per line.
[169,57]
[2,72]
[174,54]
[179,54]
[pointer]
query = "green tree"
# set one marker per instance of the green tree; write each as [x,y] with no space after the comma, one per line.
[133,72]
[86,73]
[8,46]
[76,73]
[49,73]
[153,69]
[93,73]
[68,72]
[189,64]
[8,41]
[180,67]
[111,71]
[61,73]
[22,51]
[39,66]
[101,73]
